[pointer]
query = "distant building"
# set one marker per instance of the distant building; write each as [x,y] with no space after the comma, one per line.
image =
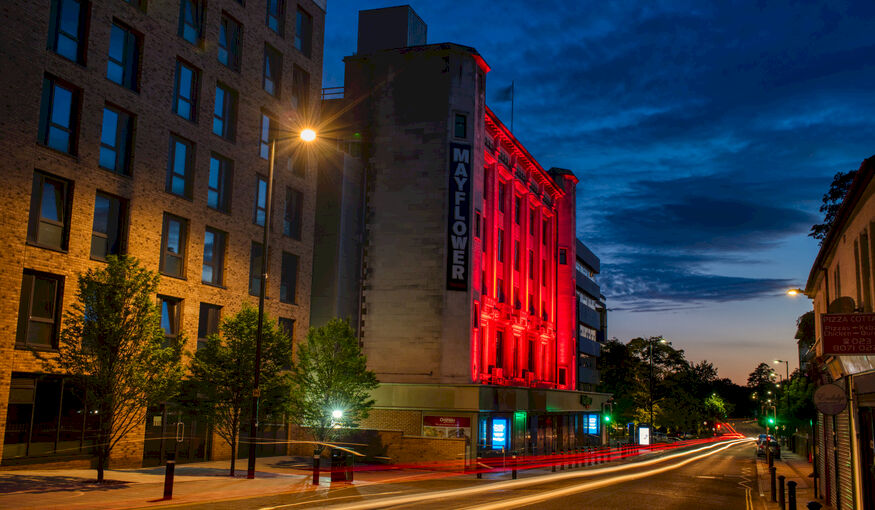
[592,317]
[452,250]
[841,281]
[140,128]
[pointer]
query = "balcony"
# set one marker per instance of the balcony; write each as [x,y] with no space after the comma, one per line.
[587,346]
[587,285]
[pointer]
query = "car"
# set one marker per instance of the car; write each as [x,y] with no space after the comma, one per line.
[768,441]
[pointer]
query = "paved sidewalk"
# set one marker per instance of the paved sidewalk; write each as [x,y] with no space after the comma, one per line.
[76,489]
[795,468]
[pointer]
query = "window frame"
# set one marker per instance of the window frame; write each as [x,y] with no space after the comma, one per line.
[228,119]
[460,122]
[293,220]
[224,181]
[233,31]
[130,63]
[35,217]
[274,71]
[289,280]
[198,9]
[183,246]
[82,29]
[259,179]
[176,321]
[124,138]
[188,167]
[220,243]
[121,228]
[25,311]
[279,16]
[255,262]
[205,322]
[304,32]
[194,90]
[300,88]
[47,109]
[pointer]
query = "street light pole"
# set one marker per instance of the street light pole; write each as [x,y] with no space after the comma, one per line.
[256,391]
[650,425]
[786,367]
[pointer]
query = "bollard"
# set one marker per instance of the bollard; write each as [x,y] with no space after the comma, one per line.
[791,495]
[478,470]
[350,468]
[513,467]
[168,479]
[315,468]
[772,479]
[781,503]
[769,456]
[813,505]
[553,462]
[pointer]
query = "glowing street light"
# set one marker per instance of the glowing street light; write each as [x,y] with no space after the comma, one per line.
[795,292]
[786,366]
[337,414]
[308,135]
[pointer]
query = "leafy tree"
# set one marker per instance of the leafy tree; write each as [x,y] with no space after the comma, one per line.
[805,329]
[795,404]
[330,373]
[761,378]
[113,346]
[832,202]
[222,375]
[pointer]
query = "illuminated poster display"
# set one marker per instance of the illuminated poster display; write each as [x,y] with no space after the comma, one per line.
[592,424]
[644,435]
[499,433]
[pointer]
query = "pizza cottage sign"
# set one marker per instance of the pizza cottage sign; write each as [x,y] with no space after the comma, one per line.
[459,217]
[848,333]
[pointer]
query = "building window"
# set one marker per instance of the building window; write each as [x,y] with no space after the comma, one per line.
[207,323]
[191,21]
[460,127]
[185,91]
[264,149]
[39,314]
[300,88]
[483,287]
[289,278]
[544,272]
[294,213]
[532,304]
[116,137]
[303,32]
[214,256]
[516,255]
[501,296]
[276,16]
[123,64]
[531,222]
[476,223]
[50,201]
[170,311]
[545,232]
[260,200]
[59,115]
[563,256]
[225,112]
[67,29]
[173,241]
[502,193]
[287,326]
[230,35]
[255,269]
[180,163]
[499,349]
[530,357]
[517,304]
[500,247]
[531,265]
[517,209]
[273,71]
[107,231]
[219,184]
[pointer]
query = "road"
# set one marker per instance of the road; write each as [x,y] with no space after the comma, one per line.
[712,476]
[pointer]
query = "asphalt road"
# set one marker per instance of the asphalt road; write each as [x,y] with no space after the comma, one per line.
[703,477]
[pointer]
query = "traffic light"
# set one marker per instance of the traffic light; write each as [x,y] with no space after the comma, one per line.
[606,418]
[771,420]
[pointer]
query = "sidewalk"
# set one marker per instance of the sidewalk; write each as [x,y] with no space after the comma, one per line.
[795,468]
[76,489]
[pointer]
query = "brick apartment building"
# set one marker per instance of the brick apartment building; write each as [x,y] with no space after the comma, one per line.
[140,127]
[453,249]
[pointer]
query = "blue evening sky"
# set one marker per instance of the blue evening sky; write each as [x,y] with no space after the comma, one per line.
[703,134]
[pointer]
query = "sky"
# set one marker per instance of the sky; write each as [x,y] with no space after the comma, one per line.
[704,135]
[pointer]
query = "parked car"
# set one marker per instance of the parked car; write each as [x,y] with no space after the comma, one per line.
[768,441]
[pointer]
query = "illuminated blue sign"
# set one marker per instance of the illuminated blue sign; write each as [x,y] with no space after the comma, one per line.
[499,433]
[593,425]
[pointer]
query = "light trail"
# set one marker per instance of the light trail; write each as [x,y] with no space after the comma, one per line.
[514,484]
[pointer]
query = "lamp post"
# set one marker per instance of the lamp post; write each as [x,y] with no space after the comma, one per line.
[786,367]
[650,344]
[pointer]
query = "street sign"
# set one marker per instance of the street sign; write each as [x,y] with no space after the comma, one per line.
[830,399]
[848,333]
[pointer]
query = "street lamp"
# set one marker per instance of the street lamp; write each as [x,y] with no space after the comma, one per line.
[786,367]
[795,292]
[650,344]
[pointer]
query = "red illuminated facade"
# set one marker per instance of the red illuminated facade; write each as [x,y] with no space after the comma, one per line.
[523,328]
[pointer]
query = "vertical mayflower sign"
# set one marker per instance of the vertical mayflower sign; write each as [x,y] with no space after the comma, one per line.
[459,217]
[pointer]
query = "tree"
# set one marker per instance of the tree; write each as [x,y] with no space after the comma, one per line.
[832,202]
[330,374]
[805,329]
[113,346]
[761,378]
[222,381]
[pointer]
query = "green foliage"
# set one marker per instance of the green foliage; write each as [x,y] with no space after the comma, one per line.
[330,373]
[221,380]
[795,403]
[761,379]
[832,202]
[113,345]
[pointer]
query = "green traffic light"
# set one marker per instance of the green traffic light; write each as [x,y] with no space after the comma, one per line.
[607,418]
[771,421]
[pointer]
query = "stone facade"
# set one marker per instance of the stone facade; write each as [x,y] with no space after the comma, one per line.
[27,62]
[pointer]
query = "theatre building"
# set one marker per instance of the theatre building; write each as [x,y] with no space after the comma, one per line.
[459,248]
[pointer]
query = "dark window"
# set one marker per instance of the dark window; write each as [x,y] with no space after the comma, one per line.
[476,223]
[49,222]
[532,222]
[116,137]
[276,16]
[303,32]
[300,88]
[460,128]
[516,255]
[225,112]
[68,29]
[170,308]
[219,184]
[563,256]
[289,278]
[517,209]
[260,200]
[499,349]
[530,357]
[107,231]
[531,265]
[287,326]
[123,64]
[561,375]
[500,247]
[255,269]
[39,314]
[532,304]
[214,256]
[230,32]
[516,298]
[545,231]
[180,163]
[191,21]
[485,231]
[298,163]
[59,115]
[501,296]
[475,317]
[208,322]
[264,148]
[294,213]
[502,193]
[173,241]
[483,287]
[185,91]
[544,273]
[273,71]
[139,4]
